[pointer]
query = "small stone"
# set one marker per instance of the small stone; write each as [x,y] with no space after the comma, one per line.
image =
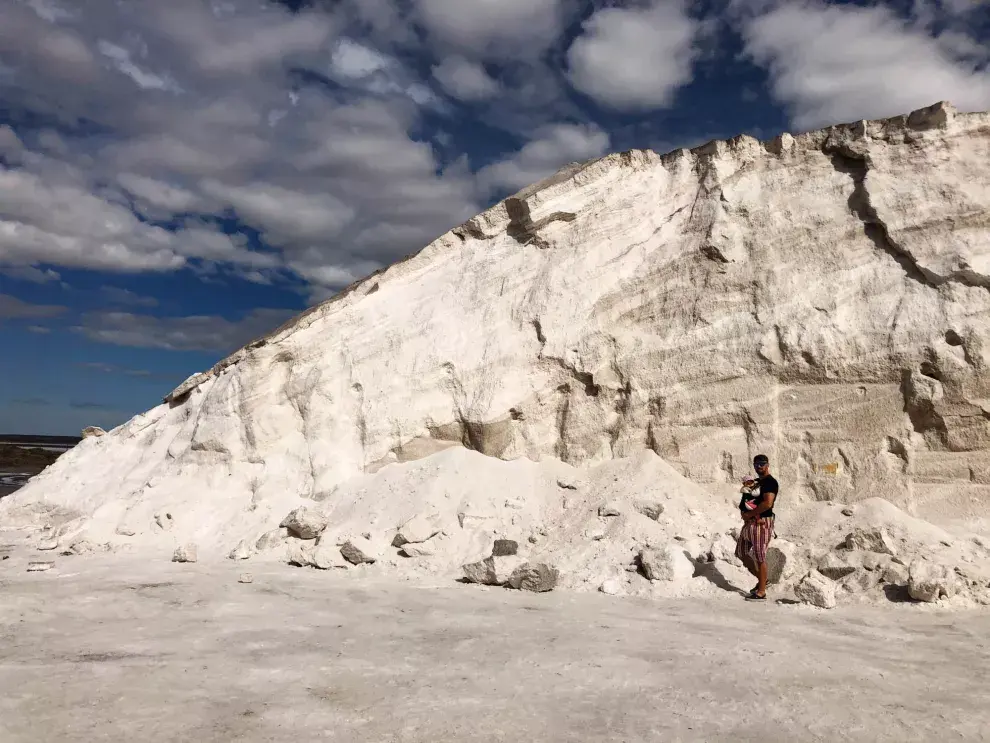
[835,566]
[300,553]
[847,512]
[535,577]
[245,578]
[93,432]
[241,552]
[326,555]
[125,531]
[185,553]
[860,581]
[305,523]
[48,545]
[358,551]
[895,575]
[608,509]
[871,540]
[505,548]
[271,539]
[651,509]
[945,543]
[817,590]
[533,539]
[492,571]
[665,564]
[567,484]
[612,587]
[39,567]
[81,547]
[165,521]
[781,560]
[422,549]
[929,582]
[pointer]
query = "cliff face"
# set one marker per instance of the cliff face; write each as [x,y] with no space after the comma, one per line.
[822,298]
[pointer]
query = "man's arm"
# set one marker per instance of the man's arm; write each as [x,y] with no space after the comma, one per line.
[765,506]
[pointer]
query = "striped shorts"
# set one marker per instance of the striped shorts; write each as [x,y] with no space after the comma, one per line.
[754,539]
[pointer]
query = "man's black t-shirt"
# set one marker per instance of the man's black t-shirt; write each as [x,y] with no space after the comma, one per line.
[767,485]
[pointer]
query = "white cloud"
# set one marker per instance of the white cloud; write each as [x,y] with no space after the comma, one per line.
[284,216]
[833,64]
[193,333]
[121,59]
[634,58]
[156,198]
[465,80]
[553,147]
[498,28]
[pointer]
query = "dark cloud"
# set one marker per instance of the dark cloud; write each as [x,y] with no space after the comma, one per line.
[12,308]
[198,333]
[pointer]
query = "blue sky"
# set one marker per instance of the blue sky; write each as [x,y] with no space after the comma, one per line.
[179,178]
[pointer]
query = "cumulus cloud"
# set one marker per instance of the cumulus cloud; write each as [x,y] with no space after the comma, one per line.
[494,27]
[634,58]
[162,120]
[465,80]
[832,64]
[193,333]
[12,308]
[553,147]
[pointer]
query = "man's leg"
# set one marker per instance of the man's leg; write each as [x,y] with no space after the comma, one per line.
[761,574]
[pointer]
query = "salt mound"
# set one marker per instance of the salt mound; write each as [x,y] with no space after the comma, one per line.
[821,298]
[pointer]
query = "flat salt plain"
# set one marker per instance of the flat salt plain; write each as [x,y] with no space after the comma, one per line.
[127,647]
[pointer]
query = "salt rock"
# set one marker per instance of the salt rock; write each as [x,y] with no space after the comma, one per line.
[871,540]
[241,552]
[305,523]
[609,509]
[300,553]
[612,587]
[492,571]
[835,566]
[185,553]
[782,559]
[895,575]
[929,581]
[39,567]
[93,432]
[359,550]
[420,549]
[817,590]
[271,539]
[723,547]
[125,531]
[245,578]
[534,577]
[326,555]
[651,509]
[666,564]
[48,545]
[860,581]
[164,521]
[418,529]
[505,548]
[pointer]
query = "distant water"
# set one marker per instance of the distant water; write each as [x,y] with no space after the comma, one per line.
[11,481]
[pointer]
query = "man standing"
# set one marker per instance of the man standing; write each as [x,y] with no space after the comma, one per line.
[757,530]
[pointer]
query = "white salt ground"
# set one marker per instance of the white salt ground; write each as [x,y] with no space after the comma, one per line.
[121,650]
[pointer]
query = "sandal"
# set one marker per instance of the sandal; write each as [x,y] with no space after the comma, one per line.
[754,596]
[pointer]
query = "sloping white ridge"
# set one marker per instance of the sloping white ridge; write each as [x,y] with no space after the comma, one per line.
[822,298]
